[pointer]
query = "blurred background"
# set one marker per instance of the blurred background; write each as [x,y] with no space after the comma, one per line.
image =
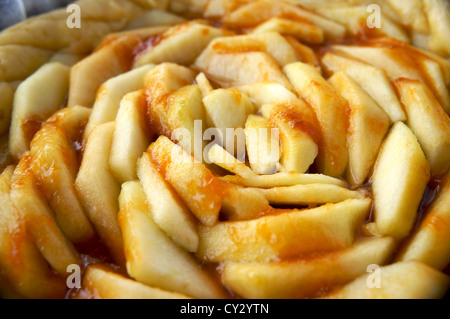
[14,11]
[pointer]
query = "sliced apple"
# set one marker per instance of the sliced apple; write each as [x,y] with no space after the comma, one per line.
[428,121]
[46,234]
[6,104]
[36,98]
[54,165]
[131,136]
[373,80]
[263,145]
[100,282]
[154,18]
[110,94]
[402,280]
[109,60]
[21,264]
[302,30]
[99,190]
[283,235]
[256,12]
[222,158]
[436,82]
[165,206]
[367,128]
[180,44]
[282,179]
[268,93]
[430,244]
[299,133]
[310,194]
[403,170]
[330,109]
[196,185]
[152,258]
[203,83]
[286,279]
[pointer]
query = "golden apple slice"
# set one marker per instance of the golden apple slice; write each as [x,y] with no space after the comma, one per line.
[160,83]
[310,194]
[36,98]
[54,165]
[99,190]
[302,30]
[283,179]
[431,243]
[100,282]
[41,225]
[154,18]
[203,83]
[181,44]
[403,170]
[402,280]
[233,62]
[437,11]
[152,258]
[367,128]
[286,279]
[196,185]
[411,13]
[106,62]
[258,11]
[436,82]
[222,158]
[299,133]
[131,136]
[110,94]
[263,145]
[428,121]
[241,203]
[373,80]
[268,93]
[304,53]
[330,111]
[21,264]
[165,207]
[283,235]
[6,104]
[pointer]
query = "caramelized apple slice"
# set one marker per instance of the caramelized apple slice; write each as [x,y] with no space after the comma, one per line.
[131,136]
[165,207]
[152,258]
[268,93]
[368,126]
[330,111]
[428,121]
[44,230]
[36,99]
[21,264]
[373,80]
[203,84]
[310,194]
[299,134]
[430,244]
[222,158]
[402,280]
[109,60]
[102,283]
[110,94]
[302,30]
[283,179]
[403,170]
[286,279]
[283,235]
[197,186]
[54,164]
[99,190]
[241,203]
[263,145]
[180,44]
[258,11]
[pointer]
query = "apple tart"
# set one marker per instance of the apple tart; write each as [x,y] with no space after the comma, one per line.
[227,149]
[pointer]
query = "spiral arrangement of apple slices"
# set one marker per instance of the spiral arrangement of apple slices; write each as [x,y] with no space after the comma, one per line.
[103,166]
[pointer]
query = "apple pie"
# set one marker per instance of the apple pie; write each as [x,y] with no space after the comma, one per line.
[226,149]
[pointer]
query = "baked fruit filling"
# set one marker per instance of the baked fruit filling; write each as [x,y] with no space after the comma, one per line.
[227,149]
